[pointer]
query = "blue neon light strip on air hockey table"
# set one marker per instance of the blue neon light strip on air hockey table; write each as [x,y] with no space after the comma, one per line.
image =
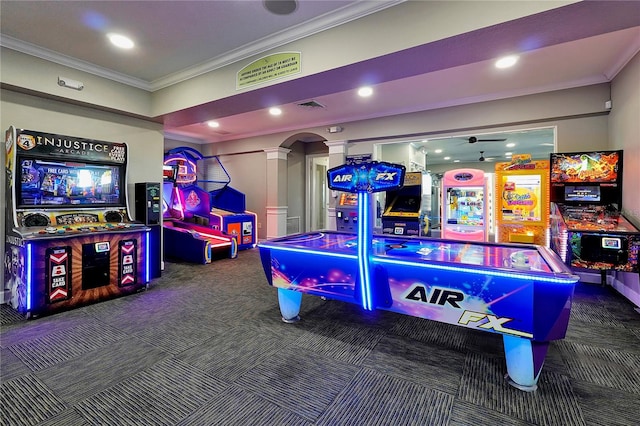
[523,292]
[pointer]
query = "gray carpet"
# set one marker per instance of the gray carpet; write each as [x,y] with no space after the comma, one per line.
[205,346]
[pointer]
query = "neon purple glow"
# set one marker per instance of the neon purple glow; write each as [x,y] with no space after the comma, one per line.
[29,281]
[518,276]
[146,258]
[364,249]
[179,202]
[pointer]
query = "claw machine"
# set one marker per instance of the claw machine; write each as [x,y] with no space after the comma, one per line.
[522,201]
[465,205]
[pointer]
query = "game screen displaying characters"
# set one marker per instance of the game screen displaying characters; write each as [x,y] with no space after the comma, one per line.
[521,198]
[65,183]
[601,167]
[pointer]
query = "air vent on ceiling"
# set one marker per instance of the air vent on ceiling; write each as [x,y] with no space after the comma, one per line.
[311,104]
[221,132]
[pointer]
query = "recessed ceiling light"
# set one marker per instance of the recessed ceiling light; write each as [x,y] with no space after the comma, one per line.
[506,61]
[447,158]
[508,154]
[275,111]
[456,161]
[438,151]
[510,145]
[120,41]
[213,124]
[365,91]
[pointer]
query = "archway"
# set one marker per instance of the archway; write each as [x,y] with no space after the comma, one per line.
[307,192]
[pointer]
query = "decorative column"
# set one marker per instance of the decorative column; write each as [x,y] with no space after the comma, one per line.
[337,154]
[277,205]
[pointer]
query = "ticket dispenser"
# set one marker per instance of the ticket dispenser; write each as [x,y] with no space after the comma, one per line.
[148,207]
[347,212]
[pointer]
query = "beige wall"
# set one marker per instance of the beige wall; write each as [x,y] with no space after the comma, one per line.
[248,174]
[296,179]
[40,76]
[624,133]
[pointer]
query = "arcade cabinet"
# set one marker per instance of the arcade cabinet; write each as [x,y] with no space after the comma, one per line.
[347,212]
[402,214]
[148,209]
[70,240]
[228,206]
[522,201]
[465,207]
[588,230]
[185,211]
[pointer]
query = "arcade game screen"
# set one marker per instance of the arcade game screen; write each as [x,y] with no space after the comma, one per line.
[169,173]
[348,199]
[68,184]
[589,194]
[584,167]
[405,204]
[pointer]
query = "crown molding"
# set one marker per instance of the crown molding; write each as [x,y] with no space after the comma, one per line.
[183,138]
[68,61]
[631,51]
[322,23]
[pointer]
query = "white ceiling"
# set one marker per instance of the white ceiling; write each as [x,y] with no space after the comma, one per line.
[181,39]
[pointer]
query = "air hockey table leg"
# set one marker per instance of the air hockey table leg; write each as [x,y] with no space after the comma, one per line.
[290,302]
[525,358]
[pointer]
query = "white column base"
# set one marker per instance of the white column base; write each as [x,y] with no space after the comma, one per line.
[276,221]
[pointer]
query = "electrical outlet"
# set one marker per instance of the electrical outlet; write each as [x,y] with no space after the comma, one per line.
[259,225]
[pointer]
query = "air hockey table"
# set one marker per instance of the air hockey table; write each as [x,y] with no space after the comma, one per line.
[522,292]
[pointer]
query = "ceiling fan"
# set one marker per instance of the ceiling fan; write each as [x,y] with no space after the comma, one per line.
[474,139]
[481,156]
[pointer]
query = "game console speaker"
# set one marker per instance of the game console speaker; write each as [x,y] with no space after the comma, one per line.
[36,219]
[113,216]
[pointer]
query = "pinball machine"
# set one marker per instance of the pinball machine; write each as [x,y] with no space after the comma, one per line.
[588,230]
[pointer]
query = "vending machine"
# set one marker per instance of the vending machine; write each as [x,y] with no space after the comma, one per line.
[465,207]
[588,230]
[522,201]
